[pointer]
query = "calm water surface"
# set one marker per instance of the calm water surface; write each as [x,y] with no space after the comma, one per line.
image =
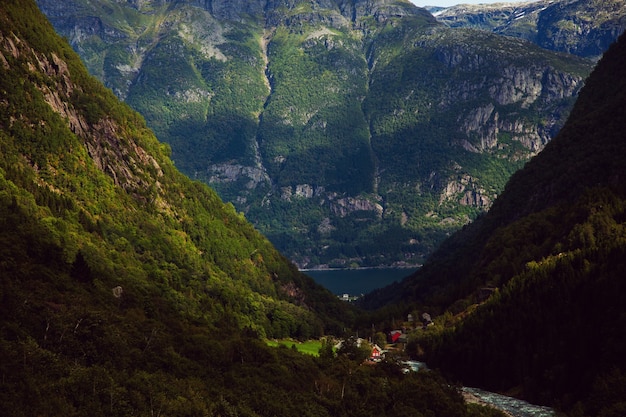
[358,281]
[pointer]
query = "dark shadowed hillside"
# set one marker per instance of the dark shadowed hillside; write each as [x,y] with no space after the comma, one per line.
[530,297]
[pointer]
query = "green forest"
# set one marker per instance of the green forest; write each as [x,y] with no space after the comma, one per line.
[127,288]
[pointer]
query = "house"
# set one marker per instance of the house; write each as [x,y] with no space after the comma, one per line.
[377,353]
[426,320]
[396,336]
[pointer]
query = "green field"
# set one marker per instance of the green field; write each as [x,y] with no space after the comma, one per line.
[310,347]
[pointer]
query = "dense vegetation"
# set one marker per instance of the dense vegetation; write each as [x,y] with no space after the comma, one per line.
[127,289]
[554,330]
[349,133]
[160,225]
[529,298]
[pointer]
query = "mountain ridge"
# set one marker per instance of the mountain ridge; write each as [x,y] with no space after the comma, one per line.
[116,148]
[585,29]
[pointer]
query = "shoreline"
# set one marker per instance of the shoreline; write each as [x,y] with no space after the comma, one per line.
[361,268]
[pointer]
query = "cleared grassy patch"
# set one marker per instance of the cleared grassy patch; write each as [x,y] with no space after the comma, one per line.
[310,347]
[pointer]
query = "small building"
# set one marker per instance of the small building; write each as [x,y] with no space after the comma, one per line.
[426,320]
[377,353]
[397,336]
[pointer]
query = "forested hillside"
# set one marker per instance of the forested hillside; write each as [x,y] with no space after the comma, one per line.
[127,289]
[355,133]
[530,298]
[103,187]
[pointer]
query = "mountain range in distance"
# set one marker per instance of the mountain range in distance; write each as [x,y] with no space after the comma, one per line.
[349,133]
[583,28]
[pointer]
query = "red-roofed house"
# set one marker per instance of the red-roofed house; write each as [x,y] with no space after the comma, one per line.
[395,336]
[377,353]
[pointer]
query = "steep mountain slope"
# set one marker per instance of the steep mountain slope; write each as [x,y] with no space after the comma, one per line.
[583,28]
[350,133]
[126,289]
[549,261]
[98,186]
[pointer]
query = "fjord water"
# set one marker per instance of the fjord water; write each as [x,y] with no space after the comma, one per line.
[357,281]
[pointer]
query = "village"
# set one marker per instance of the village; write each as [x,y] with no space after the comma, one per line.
[368,351]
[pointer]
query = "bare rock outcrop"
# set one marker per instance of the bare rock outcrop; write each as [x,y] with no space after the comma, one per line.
[113,151]
[466,191]
[225,173]
[346,205]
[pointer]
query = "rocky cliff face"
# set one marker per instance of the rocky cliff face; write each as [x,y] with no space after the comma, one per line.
[350,117]
[128,164]
[513,19]
[534,86]
[334,13]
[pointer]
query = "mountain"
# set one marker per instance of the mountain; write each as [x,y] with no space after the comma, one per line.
[100,184]
[127,289]
[529,298]
[583,28]
[350,133]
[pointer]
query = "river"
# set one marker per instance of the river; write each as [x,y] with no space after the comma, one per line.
[510,406]
[357,281]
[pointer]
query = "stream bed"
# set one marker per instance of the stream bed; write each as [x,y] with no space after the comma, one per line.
[511,406]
